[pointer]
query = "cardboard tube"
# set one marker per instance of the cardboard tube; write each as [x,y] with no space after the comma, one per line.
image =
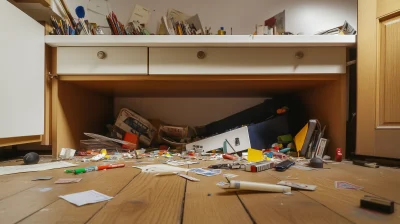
[254,186]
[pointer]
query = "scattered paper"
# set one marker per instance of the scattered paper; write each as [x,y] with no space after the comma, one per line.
[67,153]
[45,189]
[346,185]
[255,155]
[4,170]
[230,175]
[180,162]
[67,180]
[204,172]
[43,178]
[188,177]
[86,197]
[160,168]
[298,185]
[302,167]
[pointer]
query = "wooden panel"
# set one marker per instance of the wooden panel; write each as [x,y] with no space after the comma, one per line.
[344,202]
[148,199]
[21,75]
[118,60]
[109,183]
[388,82]
[46,3]
[197,85]
[20,140]
[328,104]
[78,111]
[233,61]
[46,140]
[366,76]
[385,7]
[207,203]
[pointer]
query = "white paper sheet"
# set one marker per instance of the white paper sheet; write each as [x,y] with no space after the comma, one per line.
[160,168]
[86,197]
[4,170]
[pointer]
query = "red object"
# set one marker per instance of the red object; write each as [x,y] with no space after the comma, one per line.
[132,138]
[82,154]
[338,157]
[230,157]
[110,166]
[163,147]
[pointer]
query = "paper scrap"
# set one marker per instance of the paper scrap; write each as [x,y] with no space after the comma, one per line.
[298,185]
[255,155]
[67,180]
[45,189]
[160,168]
[140,14]
[346,185]
[86,197]
[188,177]
[43,178]
[230,175]
[204,172]
[67,153]
[4,170]
[180,162]
[302,167]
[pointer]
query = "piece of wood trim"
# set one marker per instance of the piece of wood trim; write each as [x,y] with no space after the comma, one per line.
[385,7]
[196,77]
[55,105]
[46,140]
[45,3]
[366,77]
[20,140]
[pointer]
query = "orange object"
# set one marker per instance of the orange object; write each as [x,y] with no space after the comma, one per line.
[132,138]
[230,157]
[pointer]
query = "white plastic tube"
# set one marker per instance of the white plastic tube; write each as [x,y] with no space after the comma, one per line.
[254,186]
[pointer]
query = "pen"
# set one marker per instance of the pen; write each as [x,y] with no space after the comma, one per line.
[94,168]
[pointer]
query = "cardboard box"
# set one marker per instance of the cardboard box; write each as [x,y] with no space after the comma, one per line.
[132,122]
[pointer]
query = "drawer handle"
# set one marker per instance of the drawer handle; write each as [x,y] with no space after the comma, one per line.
[299,55]
[101,54]
[201,55]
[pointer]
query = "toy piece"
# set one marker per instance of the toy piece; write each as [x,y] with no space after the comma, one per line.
[284,165]
[316,162]
[338,156]
[377,204]
[259,166]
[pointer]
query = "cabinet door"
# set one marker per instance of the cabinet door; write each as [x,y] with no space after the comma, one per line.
[378,93]
[21,77]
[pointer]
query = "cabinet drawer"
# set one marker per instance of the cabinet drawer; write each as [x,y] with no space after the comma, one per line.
[230,61]
[91,60]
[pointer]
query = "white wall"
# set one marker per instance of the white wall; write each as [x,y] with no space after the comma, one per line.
[306,16]
[186,111]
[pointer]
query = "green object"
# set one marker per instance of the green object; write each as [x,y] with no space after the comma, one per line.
[80,170]
[224,149]
[69,171]
[284,139]
[285,150]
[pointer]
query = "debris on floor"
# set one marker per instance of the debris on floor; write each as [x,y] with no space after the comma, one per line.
[377,204]
[43,178]
[4,170]
[298,185]
[188,177]
[86,197]
[253,186]
[67,180]
[160,168]
[346,185]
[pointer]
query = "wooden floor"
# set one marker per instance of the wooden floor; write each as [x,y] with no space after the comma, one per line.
[145,198]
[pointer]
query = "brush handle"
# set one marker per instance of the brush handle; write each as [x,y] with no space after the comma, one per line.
[70,18]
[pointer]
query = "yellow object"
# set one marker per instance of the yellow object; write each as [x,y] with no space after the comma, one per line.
[168,155]
[103,151]
[300,138]
[254,155]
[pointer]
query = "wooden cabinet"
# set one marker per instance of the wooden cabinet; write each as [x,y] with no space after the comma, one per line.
[378,101]
[259,61]
[21,77]
[102,60]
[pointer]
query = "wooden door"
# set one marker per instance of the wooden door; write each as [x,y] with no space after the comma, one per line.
[21,77]
[378,91]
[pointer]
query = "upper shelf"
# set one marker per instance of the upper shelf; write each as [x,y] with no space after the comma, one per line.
[203,41]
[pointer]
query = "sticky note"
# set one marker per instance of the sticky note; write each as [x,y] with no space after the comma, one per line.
[300,138]
[254,155]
